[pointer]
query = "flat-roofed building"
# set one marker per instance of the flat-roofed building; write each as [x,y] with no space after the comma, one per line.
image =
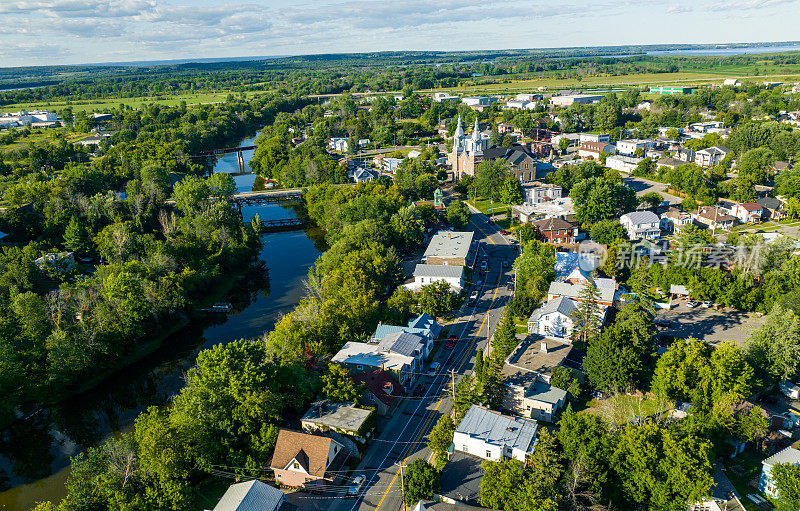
[452,248]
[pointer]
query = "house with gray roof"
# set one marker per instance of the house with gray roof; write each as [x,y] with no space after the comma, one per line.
[251,496]
[538,400]
[553,319]
[790,455]
[451,248]
[605,287]
[641,225]
[343,418]
[361,357]
[425,274]
[493,436]
[406,343]
[428,323]
[423,325]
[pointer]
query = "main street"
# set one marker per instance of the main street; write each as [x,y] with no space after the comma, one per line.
[404,437]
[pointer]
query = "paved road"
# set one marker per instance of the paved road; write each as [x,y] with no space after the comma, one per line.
[643,186]
[405,435]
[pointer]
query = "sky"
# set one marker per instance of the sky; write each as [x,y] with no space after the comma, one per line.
[46,32]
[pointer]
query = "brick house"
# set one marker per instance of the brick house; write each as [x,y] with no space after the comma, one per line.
[556,230]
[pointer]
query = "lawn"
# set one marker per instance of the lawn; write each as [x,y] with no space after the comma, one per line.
[741,470]
[102,104]
[487,207]
[41,134]
[623,408]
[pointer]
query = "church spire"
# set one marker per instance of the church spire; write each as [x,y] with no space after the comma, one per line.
[476,132]
[459,130]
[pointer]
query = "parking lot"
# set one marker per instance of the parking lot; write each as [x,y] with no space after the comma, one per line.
[710,325]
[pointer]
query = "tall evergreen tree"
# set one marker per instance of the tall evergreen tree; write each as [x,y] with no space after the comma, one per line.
[76,238]
[585,317]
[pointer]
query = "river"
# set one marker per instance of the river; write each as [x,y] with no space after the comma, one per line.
[35,453]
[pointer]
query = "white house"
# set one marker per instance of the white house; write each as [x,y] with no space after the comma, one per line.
[339,144]
[480,101]
[425,274]
[629,147]
[711,156]
[790,455]
[622,163]
[573,138]
[544,193]
[748,212]
[363,174]
[674,220]
[553,319]
[641,225]
[494,436]
[732,81]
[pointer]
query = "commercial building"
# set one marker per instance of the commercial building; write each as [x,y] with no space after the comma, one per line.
[425,274]
[595,149]
[541,193]
[479,101]
[451,248]
[556,208]
[622,163]
[672,90]
[630,146]
[580,99]
[533,359]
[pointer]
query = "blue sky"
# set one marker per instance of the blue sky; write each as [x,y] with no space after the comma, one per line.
[36,32]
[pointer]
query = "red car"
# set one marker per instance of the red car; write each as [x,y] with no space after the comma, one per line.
[504,232]
[449,345]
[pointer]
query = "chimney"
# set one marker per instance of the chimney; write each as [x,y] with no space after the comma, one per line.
[544,347]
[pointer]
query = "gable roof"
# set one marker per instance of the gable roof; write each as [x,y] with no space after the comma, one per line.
[439,271]
[574,290]
[371,355]
[311,451]
[750,206]
[382,331]
[769,203]
[788,455]
[402,342]
[426,322]
[562,304]
[597,147]
[378,382]
[498,429]
[641,217]
[250,496]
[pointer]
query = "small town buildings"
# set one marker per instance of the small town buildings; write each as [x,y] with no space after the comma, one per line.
[641,225]
[781,166]
[524,165]
[673,220]
[684,154]
[541,193]
[644,105]
[524,96]
[573,139]
[423,325]
[557,208]
[672,90]
[467,151]
[517,103]
[705,127]
[493,436]
[363,174]
[250,496]
[670,162]
[713,218]
[789,455]
[710,157]
[58,262]
[622,163]
[479,101]
[386,164]
[733,82]
[381,390]
[748,212]
[343,418]
[341,145]
[607,289]
[628,147]
[439,97]
[572,99]
[306,461]
[360,357]
[556,230]
[553,319]
[594,137]
[451,248]
[539,400]
[595,149]
[425,274]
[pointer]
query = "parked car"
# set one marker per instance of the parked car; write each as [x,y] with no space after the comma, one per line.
[491,222]
[358,481]
[449,345]
[692,304]
[433,369]
[707,304]
[504,232]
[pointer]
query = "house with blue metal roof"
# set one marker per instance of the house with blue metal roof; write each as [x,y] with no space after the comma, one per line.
[493,436]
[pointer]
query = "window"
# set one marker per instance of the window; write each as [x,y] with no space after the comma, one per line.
[296,466]
[488,454]
[360,367]
[465,448]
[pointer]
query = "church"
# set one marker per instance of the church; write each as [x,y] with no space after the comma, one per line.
[467,151]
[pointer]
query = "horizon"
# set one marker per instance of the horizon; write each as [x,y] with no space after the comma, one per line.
[77,32]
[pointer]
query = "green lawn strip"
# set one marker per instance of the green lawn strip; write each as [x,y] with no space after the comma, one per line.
[741,470]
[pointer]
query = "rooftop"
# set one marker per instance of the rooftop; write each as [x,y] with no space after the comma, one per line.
[382,384]
[439,271]
[641,217]
[789,455]
[561,304]
[546,393]
[573,291]
[336,415]
[250,496]
[371,355]
[528,360]
[450,244]
[498,429]
[403,342]
[309,450]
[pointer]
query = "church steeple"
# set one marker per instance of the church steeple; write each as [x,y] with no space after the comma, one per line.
[476,132]
[459,130]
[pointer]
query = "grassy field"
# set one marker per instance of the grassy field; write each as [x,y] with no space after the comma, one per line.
[39,135]
[102,104]
[623,408]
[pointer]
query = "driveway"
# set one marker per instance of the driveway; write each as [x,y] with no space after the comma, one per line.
[709,325]
[642,186]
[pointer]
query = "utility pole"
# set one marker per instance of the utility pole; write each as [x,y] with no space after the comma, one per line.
[402,483]
[453,384]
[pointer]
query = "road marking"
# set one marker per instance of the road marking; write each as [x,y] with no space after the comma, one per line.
[460,364]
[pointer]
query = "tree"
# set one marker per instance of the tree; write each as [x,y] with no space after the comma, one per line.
[76,237]
[512,191]
[651,200]
[437,298]
[408,227]
[338,386]
[505,339]
[501,479]
[424,185]
[608,232]
[660,470]
[617,359]
[586,314]
[786,477]
[221,185]
[563,145]
[564,378]
[421,480]
[597,199]
[458,214]
[189,194]
[774,349]
[440,438]
[491,178]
